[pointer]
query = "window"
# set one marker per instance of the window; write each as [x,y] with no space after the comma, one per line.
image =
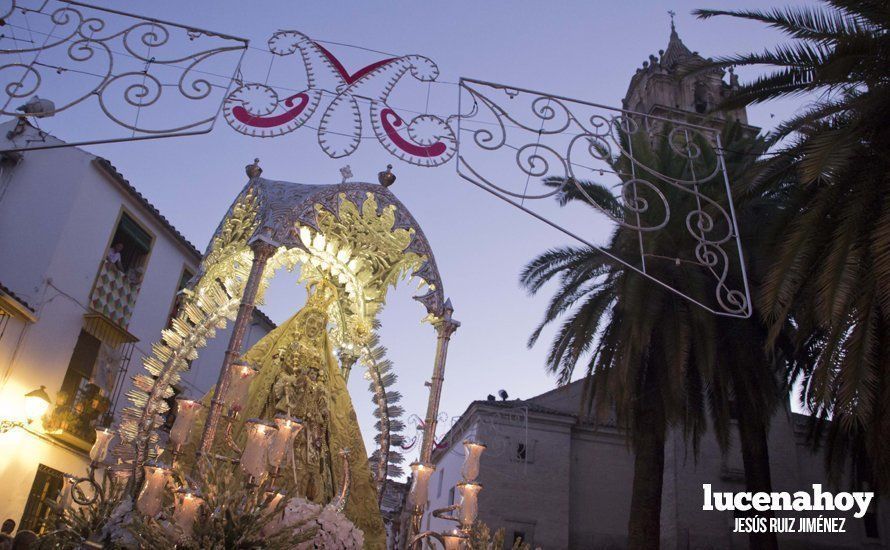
[520,452]
[701,99]
[47,485]
[451,496]
[80,402]
[80,367]
[439,490]
[135,242]
[519,530]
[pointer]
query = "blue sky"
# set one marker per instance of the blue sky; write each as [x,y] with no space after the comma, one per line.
[587,50]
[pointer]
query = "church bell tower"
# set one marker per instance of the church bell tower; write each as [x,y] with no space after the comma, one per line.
[664,86]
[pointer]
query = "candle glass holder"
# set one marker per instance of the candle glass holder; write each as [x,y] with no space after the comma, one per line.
[186,412]
[186,506]
[472,454]
[151,497]
[100,447]
[283,439]
[455,540]
[420,484]
[254,458]
[65,498]
[469,503]
[241,375]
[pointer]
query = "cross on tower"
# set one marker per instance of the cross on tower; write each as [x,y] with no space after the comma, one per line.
[672,13]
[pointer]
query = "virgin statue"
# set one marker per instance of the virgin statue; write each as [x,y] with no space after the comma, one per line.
[299,376]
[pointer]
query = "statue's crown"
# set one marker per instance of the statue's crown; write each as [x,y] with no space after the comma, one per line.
[322,294]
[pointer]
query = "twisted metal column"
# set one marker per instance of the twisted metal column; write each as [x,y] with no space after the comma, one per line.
[445,327]
[263,249]
[347,361]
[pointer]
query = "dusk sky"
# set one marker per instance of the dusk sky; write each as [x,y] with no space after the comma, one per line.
[587,50]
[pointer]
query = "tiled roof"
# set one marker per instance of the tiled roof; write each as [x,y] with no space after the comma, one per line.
[11,294]
[263,317]
[676,51]
[522,404]
[109,169]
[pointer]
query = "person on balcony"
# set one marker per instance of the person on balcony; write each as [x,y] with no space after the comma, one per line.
[114,256]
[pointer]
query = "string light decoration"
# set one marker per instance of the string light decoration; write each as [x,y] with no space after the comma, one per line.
[342,101]
[132,77]
[526,147]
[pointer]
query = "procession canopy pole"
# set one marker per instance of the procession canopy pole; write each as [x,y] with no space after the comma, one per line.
[347,361]
[445,327]
[263,249]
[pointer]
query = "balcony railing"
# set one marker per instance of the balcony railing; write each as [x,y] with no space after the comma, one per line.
[115,293]
[75,419]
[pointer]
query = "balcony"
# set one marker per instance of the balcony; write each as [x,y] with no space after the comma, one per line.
[74,420]
[114,294]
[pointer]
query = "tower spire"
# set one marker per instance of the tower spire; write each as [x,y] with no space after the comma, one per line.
[673,14]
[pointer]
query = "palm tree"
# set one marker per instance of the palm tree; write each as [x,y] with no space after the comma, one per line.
[652,358]
[832,265]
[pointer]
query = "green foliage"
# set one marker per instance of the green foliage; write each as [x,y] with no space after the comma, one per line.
[386,460]
[80,417]
[234,516]
[72,527]
[830,270]
[481,538]
[630,334]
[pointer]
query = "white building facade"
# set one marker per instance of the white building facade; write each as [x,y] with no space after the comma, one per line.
[560,481]
[71,320]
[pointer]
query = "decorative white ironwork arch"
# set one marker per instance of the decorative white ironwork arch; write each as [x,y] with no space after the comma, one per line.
[131,77]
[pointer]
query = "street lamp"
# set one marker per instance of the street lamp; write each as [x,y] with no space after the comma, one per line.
[37,402]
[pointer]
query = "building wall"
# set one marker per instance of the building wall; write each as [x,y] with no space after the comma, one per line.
[575,488]
[532,496]
[57,218]
[601,476]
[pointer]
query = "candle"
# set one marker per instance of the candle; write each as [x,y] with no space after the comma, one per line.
[420,484]
[151,497]
[240,376]
[283,440]
[186,411]
[65,493]
[454,540]
[472,454]
[100,446]
[469,503]
[255,455]
[185,511]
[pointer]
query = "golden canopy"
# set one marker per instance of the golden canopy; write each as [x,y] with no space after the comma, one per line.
[356,236]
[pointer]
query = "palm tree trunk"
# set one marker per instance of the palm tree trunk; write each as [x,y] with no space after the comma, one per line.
[755,457]
[644,525]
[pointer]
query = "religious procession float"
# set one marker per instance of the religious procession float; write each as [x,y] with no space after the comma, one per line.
[273,456]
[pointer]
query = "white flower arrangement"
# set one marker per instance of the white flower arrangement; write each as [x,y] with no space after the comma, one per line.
[334,530]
